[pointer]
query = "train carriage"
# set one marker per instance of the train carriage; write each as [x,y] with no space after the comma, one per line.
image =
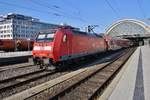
[18,44]
[117,43]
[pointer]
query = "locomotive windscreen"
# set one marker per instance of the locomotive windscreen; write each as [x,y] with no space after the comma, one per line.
[45,37]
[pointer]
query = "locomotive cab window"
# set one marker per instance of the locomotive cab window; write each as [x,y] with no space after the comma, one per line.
[45,37]
[41,37]
[50,37]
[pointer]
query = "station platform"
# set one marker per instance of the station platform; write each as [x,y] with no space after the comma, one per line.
[8,58]
[14,54]
[133,81]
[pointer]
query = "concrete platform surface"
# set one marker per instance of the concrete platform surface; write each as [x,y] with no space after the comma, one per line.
[134,83]
[14,54]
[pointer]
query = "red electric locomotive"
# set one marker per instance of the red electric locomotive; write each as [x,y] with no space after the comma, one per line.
[65,43]
[56,46]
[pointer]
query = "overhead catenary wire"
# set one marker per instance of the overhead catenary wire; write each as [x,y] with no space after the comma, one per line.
[27,8]
[78,11]
[73,6]
[112,8]
[36,10]
[44,5]
[68,2]
[141,8]
[65,14]
[118,7]
[68,12]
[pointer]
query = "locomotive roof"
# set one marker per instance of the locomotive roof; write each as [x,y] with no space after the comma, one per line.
[60,26]
[75,31]
[48,30]
[87,33]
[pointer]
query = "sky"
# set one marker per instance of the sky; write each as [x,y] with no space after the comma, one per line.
[79,13]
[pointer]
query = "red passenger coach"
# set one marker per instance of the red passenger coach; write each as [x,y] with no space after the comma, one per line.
[65,43]
[117,43]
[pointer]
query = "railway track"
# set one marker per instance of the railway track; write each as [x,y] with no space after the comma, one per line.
[93,82]
[10,85]
[19,83]
[85,84]
[22,79]
[16,70]
[16,66]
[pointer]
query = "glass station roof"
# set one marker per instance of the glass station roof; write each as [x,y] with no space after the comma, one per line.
[128,27]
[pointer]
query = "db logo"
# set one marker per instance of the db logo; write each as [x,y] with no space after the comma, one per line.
[42,48]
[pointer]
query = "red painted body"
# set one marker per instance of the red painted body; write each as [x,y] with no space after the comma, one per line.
[76,45]
[115,43]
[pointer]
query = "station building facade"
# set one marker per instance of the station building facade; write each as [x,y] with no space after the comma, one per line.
[16,26]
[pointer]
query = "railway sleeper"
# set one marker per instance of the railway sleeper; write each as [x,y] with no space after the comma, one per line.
[67,97]
[97,80]
[84,91]
[103,74]
[80,92]
[83,94]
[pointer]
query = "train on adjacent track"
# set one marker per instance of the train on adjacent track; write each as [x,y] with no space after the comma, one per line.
[16,44]
[64,44]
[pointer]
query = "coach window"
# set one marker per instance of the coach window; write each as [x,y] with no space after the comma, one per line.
[65,38]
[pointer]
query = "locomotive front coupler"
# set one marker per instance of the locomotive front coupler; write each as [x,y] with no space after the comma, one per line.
[46,61]
[48,64]
[38,61]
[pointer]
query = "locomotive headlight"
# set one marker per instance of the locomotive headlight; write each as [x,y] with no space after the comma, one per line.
[47,48]
[36,48]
